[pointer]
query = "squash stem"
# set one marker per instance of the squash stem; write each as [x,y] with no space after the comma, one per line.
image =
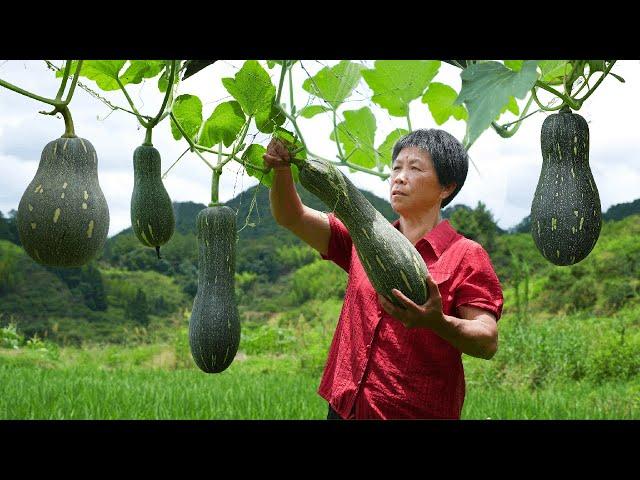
[161,113]
[566,99]
[131,104]
[596,85]
[74,82]
[215,185]
[335,134]
[69,131]
[65,77]
[283,72]
[26,93]
[147,137]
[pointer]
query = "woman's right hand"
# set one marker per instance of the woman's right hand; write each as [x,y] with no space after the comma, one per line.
[277,155]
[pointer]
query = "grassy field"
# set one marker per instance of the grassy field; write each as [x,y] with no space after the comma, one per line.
[571,367]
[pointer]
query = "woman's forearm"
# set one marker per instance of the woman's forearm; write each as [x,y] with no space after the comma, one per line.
[286,206]
[473,337]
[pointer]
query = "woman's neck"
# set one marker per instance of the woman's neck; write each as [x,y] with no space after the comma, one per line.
[416,226]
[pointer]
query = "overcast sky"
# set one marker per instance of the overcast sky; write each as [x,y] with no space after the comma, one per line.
[509,168]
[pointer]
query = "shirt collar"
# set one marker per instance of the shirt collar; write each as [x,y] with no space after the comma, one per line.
[440,237]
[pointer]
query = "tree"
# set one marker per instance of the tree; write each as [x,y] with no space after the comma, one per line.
[476,224]
[137,309]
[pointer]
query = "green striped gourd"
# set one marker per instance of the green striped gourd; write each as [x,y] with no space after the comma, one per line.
[566,216]
[389,258]
[152,217]
[214,326]
[63,217]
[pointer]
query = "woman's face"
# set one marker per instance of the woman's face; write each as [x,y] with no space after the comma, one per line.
[414,183]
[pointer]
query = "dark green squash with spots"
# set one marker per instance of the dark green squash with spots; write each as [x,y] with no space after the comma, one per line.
[152,217]
[214,326]
[63,217]
[389,258]
[566,216]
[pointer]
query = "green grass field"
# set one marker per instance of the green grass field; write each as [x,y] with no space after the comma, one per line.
[32,392]
[570,367]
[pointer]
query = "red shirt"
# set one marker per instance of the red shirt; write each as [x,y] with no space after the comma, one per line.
[379,369]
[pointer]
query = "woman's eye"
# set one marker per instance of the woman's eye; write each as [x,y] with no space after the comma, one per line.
[416,168]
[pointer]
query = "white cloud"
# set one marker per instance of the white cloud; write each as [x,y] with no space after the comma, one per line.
[509,168]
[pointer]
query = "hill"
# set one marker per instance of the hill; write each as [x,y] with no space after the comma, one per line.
[128,290]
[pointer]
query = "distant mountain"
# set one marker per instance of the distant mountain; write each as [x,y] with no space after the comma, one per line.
[615,212]
[622,210]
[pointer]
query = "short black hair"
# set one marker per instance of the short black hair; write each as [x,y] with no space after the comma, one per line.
[450,159]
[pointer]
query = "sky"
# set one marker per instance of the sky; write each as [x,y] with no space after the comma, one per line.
[503,173]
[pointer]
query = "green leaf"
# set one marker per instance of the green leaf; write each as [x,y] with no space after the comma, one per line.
[74,64]
[293,144]
[487,87]
[395,83]
[285,135]
[313,110]
[597,65]
[552,71]
[514,65]
[253,154]
[251,87]
[139,69]
[163,81]
[103,72]
[512,106]
[386,148]
[268,120]
[223,125]
[356,135]
[440,98]
[334,84]
[273,63]
[188,111]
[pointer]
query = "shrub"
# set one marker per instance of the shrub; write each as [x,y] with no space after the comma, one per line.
[10,338]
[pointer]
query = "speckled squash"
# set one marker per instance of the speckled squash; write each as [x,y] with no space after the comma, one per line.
[566,216]
[63,217]
[389,258]
[152,217]
[214,326]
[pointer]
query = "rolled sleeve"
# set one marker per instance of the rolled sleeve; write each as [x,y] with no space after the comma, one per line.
[480,286]
[340,244]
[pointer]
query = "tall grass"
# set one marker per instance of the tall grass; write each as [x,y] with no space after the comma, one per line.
[567,367]
[89,393]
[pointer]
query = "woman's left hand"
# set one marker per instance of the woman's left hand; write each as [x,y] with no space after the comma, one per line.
[429,315]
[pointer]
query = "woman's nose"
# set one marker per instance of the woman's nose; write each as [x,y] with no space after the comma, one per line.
[399,178]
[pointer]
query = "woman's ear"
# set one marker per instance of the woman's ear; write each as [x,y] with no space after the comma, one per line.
[448,190]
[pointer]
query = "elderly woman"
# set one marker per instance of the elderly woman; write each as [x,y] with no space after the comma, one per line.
[387,362]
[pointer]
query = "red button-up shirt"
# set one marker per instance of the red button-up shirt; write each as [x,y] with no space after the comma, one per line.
[379,369]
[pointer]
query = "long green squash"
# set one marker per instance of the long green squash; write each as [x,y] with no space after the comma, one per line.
[566,216]
[152,216]
[63,217]
[389,258]
[214,326]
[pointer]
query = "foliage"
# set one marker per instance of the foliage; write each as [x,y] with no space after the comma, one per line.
[320,280]
[10,338]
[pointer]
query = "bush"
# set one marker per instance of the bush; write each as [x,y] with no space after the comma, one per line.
[615,355]
[615,293]
[10,338]
[319,280]
[263,339]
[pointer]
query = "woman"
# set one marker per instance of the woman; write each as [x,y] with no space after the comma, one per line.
[386,362]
